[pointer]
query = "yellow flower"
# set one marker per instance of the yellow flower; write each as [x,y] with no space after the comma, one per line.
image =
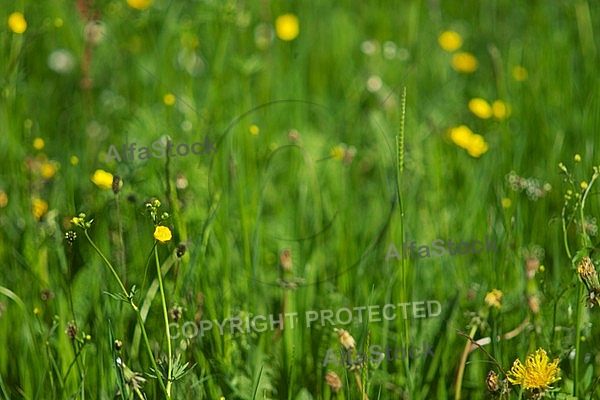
[39,208]
[477,146]
[286,27]
[461,135]
[139,4]
[500,109]
[450,41]
[103,179]
[506,202]
[74,160]
[254,130]
[494,298]
[17,23]
[48,170]
[537,373]
[162,234]
[519,73]
[77,221]
[480,108]
[3,199]
[169,99]
[464,62]
[583,185]
[338,152]
[38,143]
[577,158]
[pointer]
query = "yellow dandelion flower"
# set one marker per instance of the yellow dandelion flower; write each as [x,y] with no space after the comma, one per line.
[102,179]
[38,143]
[169,99]
[583,185]
[519,73]
[287,27]
[39,208]
[3,199]
[461,135]
[506,202]
[500,109]
[17,23]
[537,373]
[494,298]
[139,4]
[450,40]
[162,234]
[480,108]
[74,160]
[254,130]
[48,170]
[464,62]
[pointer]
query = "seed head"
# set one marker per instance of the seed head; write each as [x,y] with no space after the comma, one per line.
[71,330]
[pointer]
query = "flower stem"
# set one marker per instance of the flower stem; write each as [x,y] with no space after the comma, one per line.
[166,317]
[137,313]
[112,269]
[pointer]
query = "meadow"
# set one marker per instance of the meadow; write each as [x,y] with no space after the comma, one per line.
[271,267]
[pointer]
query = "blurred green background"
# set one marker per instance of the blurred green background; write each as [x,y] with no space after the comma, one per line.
[303,101]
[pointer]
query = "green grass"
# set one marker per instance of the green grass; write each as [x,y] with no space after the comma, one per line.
[259,194]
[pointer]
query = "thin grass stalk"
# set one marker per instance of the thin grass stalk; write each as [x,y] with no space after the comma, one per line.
[403,262]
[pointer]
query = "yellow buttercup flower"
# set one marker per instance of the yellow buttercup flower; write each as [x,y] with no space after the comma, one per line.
[254,130]
[537,373]
[169,99]
[480,108]
[38,143]
[48,170]
[139,4]
[338,152]
[17,23]
[103,179]
[464,62]
[77,221]
[463,137]
[39,208]
[494,298]
[506,202]
[450,41]
[500,109]
[287,27]
[477,146]
[519,73]
[162,234]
